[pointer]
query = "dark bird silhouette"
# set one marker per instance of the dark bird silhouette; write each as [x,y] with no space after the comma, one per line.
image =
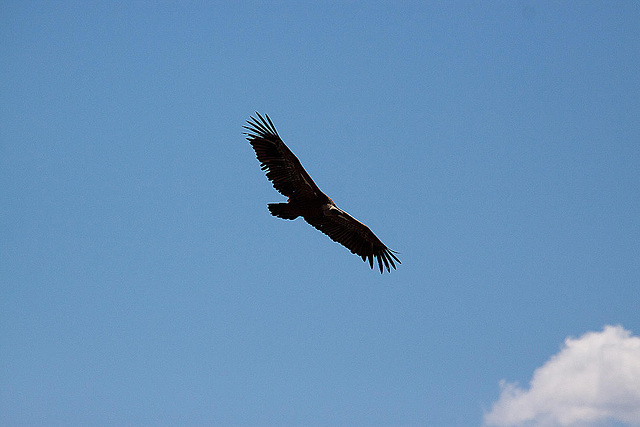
[305,199]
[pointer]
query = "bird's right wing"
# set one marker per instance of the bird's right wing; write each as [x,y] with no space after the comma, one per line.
[283,168]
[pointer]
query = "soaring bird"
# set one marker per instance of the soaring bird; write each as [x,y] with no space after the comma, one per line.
[305,199]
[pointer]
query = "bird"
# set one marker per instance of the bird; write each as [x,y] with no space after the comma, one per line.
[306,200]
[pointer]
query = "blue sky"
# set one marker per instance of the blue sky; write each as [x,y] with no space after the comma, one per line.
[495,145]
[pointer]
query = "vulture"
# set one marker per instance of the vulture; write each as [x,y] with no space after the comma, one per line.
[305,199]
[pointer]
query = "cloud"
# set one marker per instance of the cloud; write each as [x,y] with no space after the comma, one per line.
[593,379]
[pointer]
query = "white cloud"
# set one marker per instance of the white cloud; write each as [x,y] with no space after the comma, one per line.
[593,379]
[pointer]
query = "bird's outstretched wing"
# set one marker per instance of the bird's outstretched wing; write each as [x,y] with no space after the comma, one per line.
[355,236]
[283,168]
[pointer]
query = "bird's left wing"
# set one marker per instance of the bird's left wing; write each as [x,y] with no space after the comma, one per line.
[355,236]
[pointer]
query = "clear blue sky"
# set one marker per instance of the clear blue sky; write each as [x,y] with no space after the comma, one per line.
[495,145]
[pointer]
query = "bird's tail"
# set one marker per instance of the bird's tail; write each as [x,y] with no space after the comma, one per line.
[282,210]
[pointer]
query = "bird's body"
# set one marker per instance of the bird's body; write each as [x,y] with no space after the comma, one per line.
[306,200]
